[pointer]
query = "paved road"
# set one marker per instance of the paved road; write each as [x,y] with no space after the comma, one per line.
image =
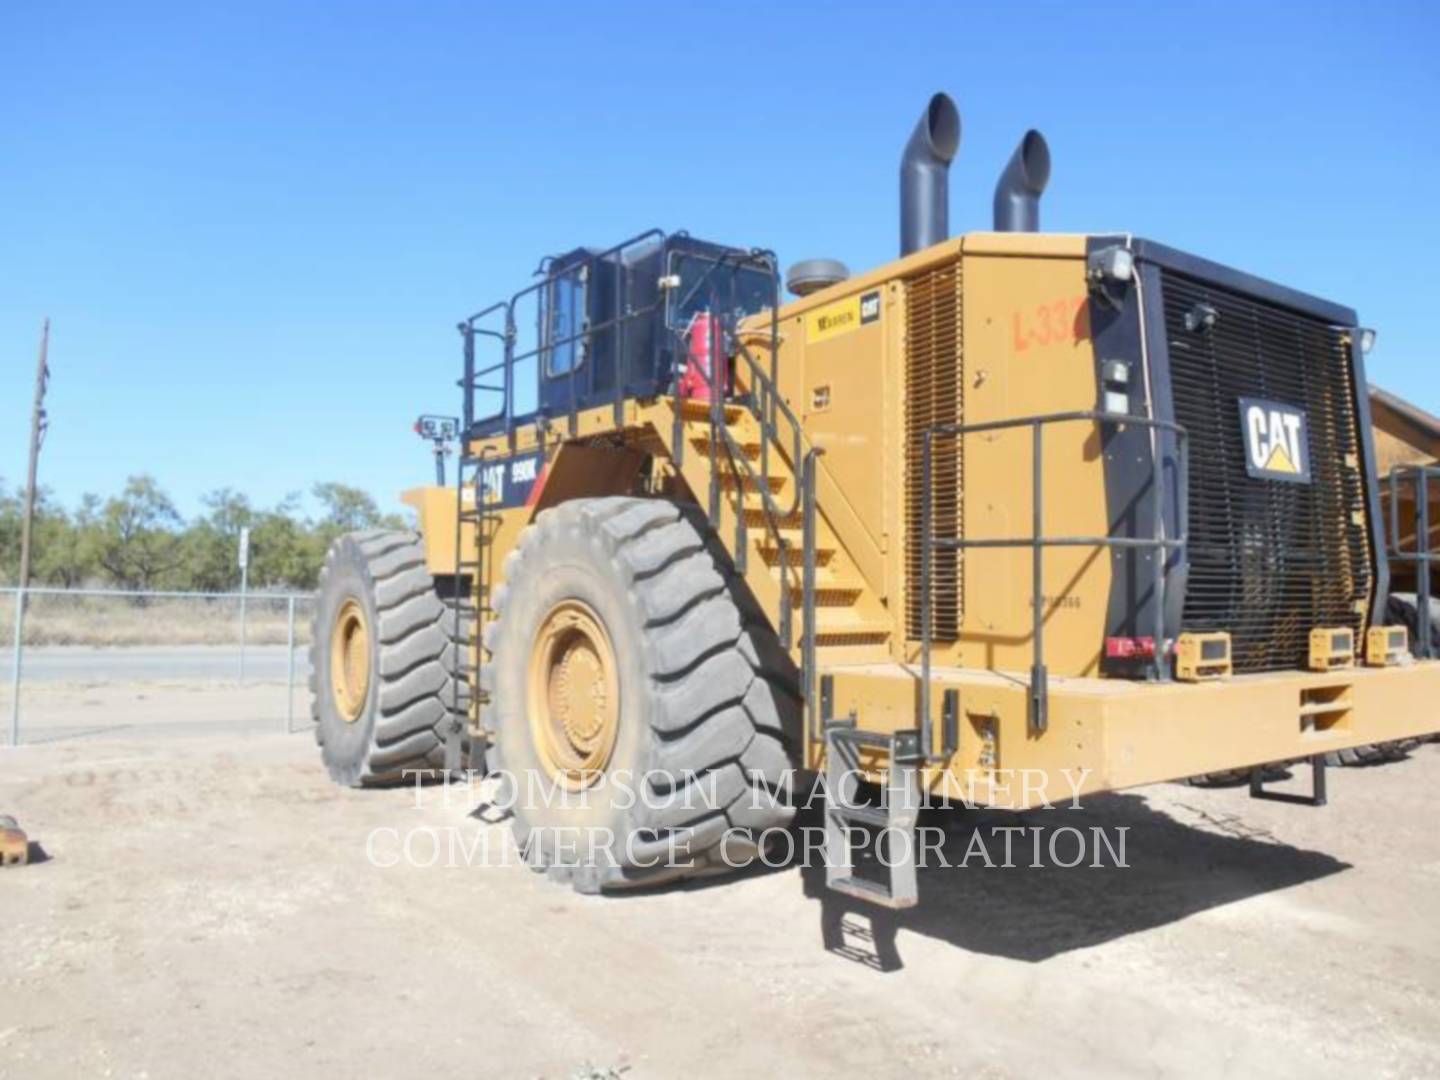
[77,663]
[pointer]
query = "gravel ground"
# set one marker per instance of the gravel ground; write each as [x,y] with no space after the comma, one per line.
[205,904]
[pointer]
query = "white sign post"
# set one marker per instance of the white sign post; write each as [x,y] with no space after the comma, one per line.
[244,581]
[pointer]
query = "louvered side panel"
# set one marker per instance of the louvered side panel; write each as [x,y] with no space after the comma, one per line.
[934,394]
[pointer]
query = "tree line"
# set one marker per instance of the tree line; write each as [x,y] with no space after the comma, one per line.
[139,540]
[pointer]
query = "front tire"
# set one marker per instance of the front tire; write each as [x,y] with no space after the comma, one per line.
[643,712]
[382,661]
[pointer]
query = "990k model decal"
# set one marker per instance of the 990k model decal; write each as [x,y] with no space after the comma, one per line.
[511,482]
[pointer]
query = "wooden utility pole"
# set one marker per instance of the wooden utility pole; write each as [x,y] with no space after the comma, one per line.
[37,436]
[37,433]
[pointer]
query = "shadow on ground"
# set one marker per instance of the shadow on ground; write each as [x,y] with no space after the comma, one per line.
[1029,913]
[1152,870]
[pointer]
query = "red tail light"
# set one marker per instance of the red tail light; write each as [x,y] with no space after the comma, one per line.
[1129,648]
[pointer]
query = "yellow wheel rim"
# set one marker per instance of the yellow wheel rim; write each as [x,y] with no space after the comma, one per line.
[350,660]
[574,694]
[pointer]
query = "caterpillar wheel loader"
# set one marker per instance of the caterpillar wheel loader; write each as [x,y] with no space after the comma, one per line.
[1082,508]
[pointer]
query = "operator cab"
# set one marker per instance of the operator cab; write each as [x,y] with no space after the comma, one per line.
[604,326]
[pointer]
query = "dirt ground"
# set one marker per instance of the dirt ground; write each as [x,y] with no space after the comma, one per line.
[205,904]
[56,707]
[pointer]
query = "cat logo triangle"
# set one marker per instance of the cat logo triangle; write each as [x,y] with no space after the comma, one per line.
[1279,461]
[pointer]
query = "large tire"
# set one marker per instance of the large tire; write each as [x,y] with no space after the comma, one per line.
[398,711]
[1403,609]
[1373,753]
[705,706]
[1276,770]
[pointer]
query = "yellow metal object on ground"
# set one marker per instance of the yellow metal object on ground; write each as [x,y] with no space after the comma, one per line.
[350,660]
[573,694]
[14,844]
[1331,648]
[1202,656]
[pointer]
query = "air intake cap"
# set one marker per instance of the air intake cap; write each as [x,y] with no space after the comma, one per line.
[812,275]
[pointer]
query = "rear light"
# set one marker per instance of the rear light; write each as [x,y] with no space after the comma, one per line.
[1331,647]
[1129,648]
[1203,656]
[1386,645]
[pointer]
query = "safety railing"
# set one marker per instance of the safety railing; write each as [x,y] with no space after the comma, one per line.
[765,404]
[1421,555]
[546,344]
[1037,542]
[473,328]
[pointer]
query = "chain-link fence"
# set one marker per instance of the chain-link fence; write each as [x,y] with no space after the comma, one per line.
[92,662]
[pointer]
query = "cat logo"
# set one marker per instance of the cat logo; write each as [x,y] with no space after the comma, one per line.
[511,483]
[1277,441]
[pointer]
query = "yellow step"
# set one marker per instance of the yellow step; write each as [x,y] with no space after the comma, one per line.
[701,445]
[777,481]
[839,627]
[833,596]
[755,517]
[794,552]
[700,410]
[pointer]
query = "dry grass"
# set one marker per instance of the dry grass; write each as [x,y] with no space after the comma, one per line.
[122,621]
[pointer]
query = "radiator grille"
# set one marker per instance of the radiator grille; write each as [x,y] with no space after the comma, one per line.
[1269,560]
[934,394]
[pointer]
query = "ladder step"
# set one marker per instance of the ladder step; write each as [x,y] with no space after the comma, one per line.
[729,481]
[870,891]
[826,596]
[865,815]
[795,555]
[856,736]
[700,410]
[840,639]
[701,445]
[900,813]
[756,516]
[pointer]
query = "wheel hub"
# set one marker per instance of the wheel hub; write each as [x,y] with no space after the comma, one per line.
[350,660]
[574,699]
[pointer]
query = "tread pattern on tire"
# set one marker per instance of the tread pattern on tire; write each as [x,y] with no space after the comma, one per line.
[417,658]
[723,692]
[1373,753]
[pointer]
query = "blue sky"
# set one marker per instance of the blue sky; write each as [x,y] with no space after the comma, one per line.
[255,224]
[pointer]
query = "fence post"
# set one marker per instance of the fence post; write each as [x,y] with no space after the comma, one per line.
[15,675]
[244,574]
[290,668]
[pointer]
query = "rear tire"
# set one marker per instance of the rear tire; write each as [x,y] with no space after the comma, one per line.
[1404,609]
[1373,753]
[382,661]
[665,716]
[1277,770]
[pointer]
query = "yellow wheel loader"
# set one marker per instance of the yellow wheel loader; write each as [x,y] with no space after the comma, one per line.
[1082,509]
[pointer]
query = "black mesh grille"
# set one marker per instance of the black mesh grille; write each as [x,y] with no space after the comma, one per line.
[934,394]
[1269,560]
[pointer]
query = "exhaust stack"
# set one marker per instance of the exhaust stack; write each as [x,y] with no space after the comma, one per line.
[925,176]
[1018,191]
